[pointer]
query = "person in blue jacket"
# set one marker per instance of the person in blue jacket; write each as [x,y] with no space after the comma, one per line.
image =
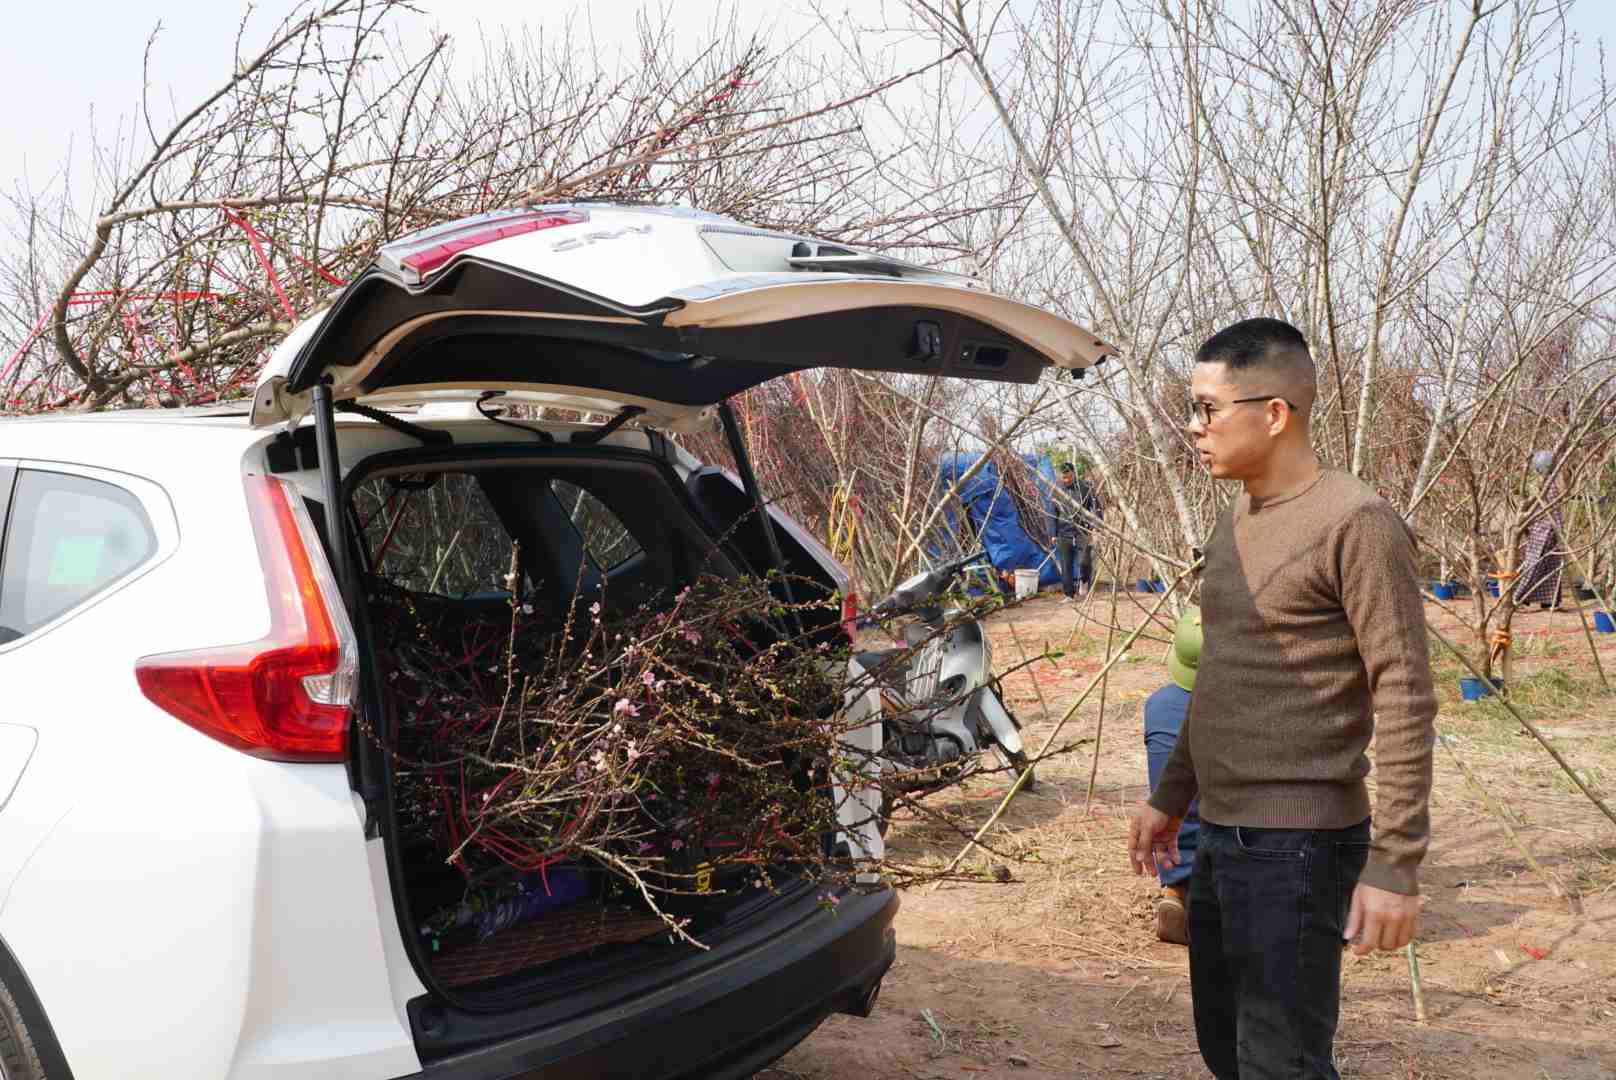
[1164,716]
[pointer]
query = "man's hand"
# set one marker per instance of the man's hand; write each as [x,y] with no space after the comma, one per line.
[1380,919]
[1151,831]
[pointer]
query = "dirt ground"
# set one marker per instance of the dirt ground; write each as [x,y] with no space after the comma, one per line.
[1058,973]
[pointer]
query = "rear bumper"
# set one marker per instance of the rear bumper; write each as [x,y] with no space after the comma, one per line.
[728,1020]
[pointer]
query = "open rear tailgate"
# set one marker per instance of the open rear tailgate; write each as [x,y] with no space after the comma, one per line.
[673,311]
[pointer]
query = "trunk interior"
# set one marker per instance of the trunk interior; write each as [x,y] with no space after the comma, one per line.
[435,531]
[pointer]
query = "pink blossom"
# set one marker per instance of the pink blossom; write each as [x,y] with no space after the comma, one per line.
[594,609]
[677,844]
[625,707]
[691,636]
[649,679]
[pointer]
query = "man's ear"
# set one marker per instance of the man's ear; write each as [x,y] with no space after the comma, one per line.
[1280,417]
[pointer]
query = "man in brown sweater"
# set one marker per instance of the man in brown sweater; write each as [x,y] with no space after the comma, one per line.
[1315,642]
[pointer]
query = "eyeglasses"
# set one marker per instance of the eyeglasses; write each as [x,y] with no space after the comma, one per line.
[1202,411]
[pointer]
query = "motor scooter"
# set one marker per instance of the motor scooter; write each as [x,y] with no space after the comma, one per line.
[941,709]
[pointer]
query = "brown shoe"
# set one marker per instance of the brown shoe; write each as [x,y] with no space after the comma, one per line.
[1172,921]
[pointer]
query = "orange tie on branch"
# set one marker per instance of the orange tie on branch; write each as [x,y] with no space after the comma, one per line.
[1500,641]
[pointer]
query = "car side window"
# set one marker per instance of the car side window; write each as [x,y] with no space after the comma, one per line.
[434,533]
[603,533]
[69,537]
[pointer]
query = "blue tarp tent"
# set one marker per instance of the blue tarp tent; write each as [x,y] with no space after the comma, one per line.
[992,513]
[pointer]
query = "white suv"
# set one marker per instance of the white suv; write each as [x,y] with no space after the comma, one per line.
[203,871]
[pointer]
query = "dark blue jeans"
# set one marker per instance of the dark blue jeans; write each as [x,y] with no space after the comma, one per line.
[1073,560]
[1267,908]
[1164,718]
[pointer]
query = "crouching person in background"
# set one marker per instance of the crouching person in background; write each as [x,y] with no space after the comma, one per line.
[1164,716]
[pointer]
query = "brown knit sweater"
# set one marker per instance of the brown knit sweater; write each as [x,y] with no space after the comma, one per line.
[1312,624]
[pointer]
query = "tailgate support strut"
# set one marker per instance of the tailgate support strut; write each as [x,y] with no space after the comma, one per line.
[743,462]
[336,520]
[364,774]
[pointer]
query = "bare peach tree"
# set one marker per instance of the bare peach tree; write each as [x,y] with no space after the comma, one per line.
[1403,181]
[1558,401]
[218,225]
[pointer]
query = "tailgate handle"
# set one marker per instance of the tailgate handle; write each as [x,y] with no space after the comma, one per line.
[926,347]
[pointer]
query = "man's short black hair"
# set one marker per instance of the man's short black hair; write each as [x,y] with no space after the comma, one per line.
[1251,343]
[1067,466]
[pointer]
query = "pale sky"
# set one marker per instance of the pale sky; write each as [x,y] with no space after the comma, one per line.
[64,65]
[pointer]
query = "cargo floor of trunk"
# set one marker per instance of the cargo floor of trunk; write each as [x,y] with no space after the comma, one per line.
[558,936]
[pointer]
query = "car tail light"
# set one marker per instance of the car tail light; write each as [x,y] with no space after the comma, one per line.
[850,616]
[285,697]
[416,256]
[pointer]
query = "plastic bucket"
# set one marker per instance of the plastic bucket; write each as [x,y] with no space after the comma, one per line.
[1158,585]
[1144,585]
[1476,689]
[1492,586]
[1026,584]
[1603,624]
[1442,591]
